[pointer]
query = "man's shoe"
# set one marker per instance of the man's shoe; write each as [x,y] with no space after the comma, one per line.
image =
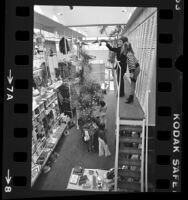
[130,99]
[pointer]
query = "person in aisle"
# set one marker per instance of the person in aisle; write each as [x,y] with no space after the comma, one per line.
[102,115]
[87,139]
[134,70]
[103,146]
[122,58]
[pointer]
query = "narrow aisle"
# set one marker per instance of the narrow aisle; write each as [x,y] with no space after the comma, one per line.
[73,151]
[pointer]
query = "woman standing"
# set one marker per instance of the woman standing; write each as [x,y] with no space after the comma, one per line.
[102,115]
[121,56]
[103,146]
[134,70]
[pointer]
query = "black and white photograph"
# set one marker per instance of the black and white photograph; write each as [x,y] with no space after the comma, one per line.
[94,98]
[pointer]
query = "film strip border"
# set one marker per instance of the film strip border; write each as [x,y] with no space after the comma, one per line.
[169,116]
[18,106]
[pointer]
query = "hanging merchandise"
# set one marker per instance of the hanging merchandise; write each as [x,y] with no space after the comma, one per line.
[38,81]
[61,67]
[51,52]
[34,84]
[53,63]
[70,44]
[64,46]
[39,38]
[57,72]
[44,74]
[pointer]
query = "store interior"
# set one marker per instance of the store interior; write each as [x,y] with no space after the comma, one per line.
[73,76]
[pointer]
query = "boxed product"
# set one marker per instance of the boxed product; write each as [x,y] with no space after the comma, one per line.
[74,179]
[83,179]
[78,170]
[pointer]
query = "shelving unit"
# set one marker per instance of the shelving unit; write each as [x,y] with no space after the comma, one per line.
[58,132]
[45,138]
[48,120]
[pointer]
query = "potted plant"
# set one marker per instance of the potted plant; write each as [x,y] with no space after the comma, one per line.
[84,65]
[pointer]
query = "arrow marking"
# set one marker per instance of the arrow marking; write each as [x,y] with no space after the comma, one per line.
[8,178]
[10,78]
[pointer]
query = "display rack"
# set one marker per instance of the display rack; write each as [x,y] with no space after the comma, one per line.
[50,115]
[45,136]
[53,140]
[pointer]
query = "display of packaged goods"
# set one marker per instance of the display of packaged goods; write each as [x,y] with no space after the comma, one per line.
[46,106]
[55,136]
[35,170]
[42,157]
[91,172]
[34,157]
[34,121]
[36,111]
[54,130]
[86,186]
[53,140]
[74,179]
[39,150]
[34,148]
[50,145]
[78,170]
[94,182]
[39,127]
[42,115]
[40,107]
[83,179]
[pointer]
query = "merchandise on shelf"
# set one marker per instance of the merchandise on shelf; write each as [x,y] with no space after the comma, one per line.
[51,103]
[48,126]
